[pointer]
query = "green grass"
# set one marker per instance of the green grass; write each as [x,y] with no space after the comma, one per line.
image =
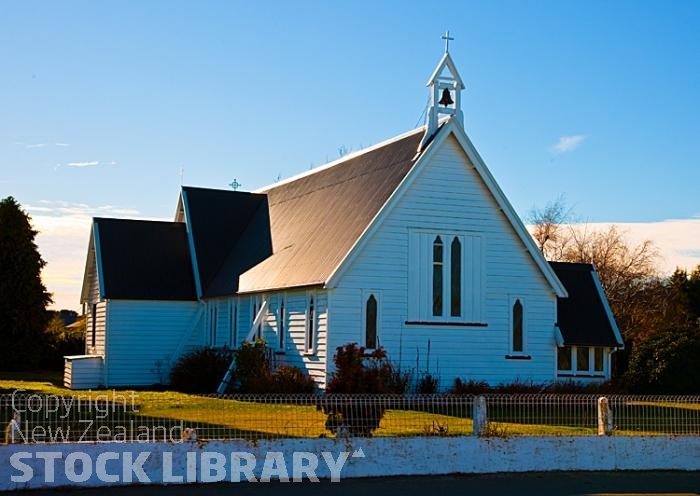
[215,418]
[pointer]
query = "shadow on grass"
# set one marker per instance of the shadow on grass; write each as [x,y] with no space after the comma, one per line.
[54,378]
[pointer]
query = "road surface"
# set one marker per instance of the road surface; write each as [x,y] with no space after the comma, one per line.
[528,484]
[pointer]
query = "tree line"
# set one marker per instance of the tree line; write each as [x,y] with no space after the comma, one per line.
[33,337]
[658,315]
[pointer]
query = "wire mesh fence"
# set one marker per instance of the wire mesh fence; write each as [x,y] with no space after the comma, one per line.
[163,417]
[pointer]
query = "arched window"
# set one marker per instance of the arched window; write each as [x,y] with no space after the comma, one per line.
[281,326]
[233,324]
[309,344]
[517,326]
[371,322]
[456,278]
[437,276]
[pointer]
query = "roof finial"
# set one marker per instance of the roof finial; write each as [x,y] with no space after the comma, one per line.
[447,39]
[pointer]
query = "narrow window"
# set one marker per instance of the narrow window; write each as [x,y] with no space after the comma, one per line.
[437,276]
[564,358]
[213,314]
[518,326]
[598,359]
[281,326]
[94,324]
[371,323]
[582,358]
[309,345]
[233,323]
[456,278]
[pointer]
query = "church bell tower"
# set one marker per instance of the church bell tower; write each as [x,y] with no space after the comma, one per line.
[445,86]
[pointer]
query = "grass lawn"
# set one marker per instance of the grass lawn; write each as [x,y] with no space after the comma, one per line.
[152,415]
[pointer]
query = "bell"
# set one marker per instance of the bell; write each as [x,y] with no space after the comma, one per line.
[446,98]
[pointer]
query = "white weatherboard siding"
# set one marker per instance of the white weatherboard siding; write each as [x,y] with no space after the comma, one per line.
[295,309]
[218,322]
[100,318]
[449,196]
[82,372]
[142,337]
[244,319]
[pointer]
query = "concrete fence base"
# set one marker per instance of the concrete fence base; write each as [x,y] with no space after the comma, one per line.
[106,464]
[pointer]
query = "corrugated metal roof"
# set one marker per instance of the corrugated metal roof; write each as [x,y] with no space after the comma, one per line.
[145,260]
[231,234]
[316,218]
[582,317]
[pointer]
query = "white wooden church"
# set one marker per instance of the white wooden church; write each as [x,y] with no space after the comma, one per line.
[409,245]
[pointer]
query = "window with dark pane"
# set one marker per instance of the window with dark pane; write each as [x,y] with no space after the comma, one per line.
[94,324]
[437,276]
[564,358]
[456,278]
[371,322]
[517,326]
[281,328]
[234,326]
[598,359]
[310,326]
[582,358]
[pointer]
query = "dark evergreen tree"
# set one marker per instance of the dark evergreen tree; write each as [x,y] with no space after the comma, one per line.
[23,297]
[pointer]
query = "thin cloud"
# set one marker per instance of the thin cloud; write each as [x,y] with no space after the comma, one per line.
[93,163]
[37,145]
[64,230]
[676,239]
[61,144]
[568,143]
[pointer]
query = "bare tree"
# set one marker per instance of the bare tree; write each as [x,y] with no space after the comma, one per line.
[548,224]
[627,273]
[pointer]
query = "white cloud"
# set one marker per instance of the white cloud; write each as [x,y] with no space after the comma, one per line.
[678,240]
[568,143]
[61,144]
[37,145]
[84,164]
[64,232]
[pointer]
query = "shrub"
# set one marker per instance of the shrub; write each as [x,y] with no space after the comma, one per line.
[471,386]
[518,386]
[428,384]
[201,370]
[292,380]
[574,387]
[60,341]
[253,369]
[359,372]
[666,363]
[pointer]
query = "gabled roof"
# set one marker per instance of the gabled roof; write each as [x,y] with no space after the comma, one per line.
[316,218]
[454,128]
[446,61]
[229,232]
[584,318]
[142,260]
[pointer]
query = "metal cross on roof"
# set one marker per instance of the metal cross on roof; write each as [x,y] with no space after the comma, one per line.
[447,39]
[235,184]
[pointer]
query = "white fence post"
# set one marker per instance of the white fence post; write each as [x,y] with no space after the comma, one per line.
[605,417]
[481,420]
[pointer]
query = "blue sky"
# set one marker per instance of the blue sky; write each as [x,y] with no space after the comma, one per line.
[101,103]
